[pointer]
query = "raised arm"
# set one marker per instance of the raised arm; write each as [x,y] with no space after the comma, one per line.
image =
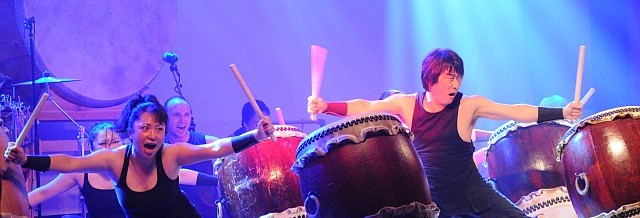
[60,184]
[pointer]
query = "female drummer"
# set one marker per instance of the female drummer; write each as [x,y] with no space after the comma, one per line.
[96,188]
[145,173]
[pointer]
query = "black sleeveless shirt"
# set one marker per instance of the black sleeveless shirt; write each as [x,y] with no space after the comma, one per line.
[446,158]
[164,200]
[100,202]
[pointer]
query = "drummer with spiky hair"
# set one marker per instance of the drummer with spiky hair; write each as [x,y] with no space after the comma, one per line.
[442,120]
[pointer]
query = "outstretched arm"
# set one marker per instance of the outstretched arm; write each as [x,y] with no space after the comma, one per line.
[191,177]
[94,162]
[486,108]
[60,184]
[393,104]
[186,154]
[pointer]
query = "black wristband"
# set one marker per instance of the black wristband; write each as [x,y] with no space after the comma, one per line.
[242,142]
[206,180]
[38,163]
[546,114]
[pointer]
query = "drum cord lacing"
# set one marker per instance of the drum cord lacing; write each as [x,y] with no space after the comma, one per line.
[547,203]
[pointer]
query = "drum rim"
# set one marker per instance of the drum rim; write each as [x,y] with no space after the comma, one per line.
[305,149]
[600,117]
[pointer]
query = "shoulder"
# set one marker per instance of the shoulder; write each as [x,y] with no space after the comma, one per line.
[474,99]
[401,98]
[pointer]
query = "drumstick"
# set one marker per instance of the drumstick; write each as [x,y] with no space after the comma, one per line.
[318,57]
[587,96]
[280,117]
[32,119]
[576,98]
[249,95]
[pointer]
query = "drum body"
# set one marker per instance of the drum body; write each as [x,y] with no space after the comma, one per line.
[356,166]
[114,47]
[13,193]
[601,161]
[521,157]
[259,180]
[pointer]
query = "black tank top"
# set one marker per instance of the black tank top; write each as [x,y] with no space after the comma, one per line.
[164,200]
[202,197]
[100,202]
[446,158]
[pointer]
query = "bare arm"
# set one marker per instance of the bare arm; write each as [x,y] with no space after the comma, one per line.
[394,104]
[97,161]
[210,138]
[60,184]
[191,177]
[518,112]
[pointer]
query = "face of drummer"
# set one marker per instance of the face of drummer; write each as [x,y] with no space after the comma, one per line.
[179,118]
[147,134]
[253,122]
[445,89]
[107,139]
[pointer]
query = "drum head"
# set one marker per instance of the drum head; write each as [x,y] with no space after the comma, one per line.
[114,47]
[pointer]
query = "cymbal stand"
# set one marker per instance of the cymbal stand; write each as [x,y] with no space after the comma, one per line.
[81,130]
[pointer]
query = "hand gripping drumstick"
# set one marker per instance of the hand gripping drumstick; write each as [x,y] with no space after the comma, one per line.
[576,96]
[318,57]
[32,119]
[280,117]
[249,95]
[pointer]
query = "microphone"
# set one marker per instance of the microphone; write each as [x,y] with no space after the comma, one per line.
[170,57]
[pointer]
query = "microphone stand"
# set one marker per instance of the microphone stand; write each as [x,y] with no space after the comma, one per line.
[30,24]
[178,89]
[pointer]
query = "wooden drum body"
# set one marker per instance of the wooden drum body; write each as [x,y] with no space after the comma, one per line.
[522,166]
[259,180]
[356,166]
[601,161]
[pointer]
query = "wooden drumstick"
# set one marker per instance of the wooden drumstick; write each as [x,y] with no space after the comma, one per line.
[579,74]
[318,58]
[252,100]
[587,96]
[280,117]
[32,119]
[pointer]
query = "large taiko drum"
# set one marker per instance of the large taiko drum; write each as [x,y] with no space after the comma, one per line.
[601,161]
[259,180]
[115,47]
[521,164]
[13,192]
[359,165]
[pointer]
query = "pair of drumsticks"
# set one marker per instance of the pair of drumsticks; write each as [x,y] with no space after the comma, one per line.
[318,58]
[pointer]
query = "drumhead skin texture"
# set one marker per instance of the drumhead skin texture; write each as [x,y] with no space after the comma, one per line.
[113,47]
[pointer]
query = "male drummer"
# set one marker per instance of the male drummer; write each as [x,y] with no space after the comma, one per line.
[442,120]
[202,197]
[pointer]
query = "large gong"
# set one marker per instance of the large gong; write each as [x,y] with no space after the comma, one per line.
[114,47]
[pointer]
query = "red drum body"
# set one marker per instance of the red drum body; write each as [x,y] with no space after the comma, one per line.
[13,193]
[522,166]
[113,47]
[601,159]
[357,166]
[521,157]
[259,180]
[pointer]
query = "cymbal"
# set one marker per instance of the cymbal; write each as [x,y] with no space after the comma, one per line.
[47,79]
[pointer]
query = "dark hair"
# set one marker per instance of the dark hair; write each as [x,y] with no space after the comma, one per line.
[248,112]
[166,103]
[437,61]
[96,130]
[389,92]
[135,107]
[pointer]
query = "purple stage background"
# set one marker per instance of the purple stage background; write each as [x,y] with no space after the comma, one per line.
[514,52]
